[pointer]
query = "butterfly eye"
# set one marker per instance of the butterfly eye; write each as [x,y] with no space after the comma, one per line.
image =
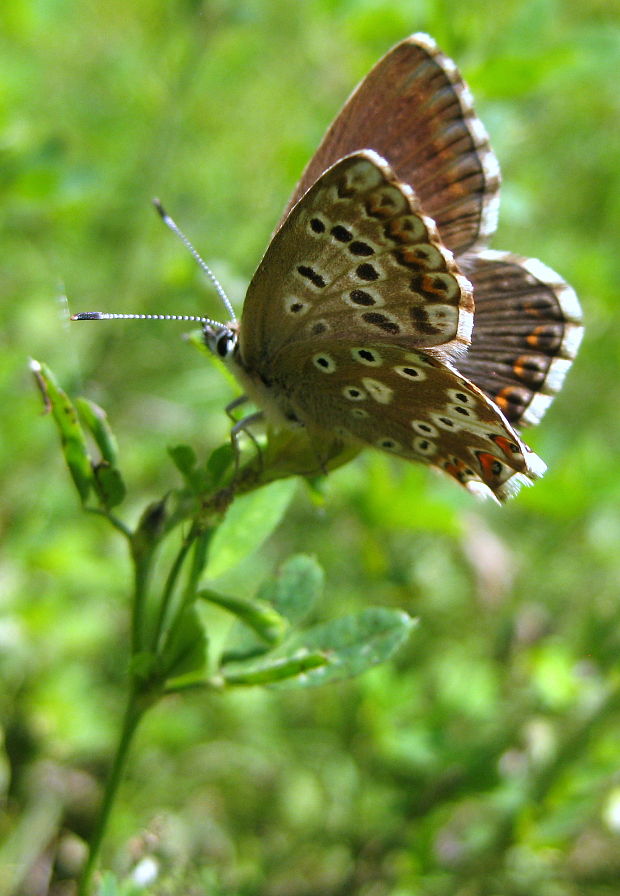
[221,342]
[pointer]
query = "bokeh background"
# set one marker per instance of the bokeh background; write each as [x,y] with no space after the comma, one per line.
[485,758]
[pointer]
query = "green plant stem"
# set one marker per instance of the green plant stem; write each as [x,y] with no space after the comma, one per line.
[170,584]
[200,540]
[142,569]
[133,713]
[199,560]
[113,520]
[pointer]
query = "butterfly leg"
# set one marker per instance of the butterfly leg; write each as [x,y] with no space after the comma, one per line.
[233,405]
[237,428]
[243,425]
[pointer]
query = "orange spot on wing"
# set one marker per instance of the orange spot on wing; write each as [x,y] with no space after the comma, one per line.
[491,466]
[508,448]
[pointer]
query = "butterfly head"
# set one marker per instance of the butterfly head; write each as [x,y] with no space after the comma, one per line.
[221,339]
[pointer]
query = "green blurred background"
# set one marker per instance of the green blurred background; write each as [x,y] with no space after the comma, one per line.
[486,758]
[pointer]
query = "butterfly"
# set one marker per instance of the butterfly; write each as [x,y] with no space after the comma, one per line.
[379,317]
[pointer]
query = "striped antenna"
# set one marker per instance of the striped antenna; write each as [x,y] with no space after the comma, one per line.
[205,267]
[108,315]
[170,223]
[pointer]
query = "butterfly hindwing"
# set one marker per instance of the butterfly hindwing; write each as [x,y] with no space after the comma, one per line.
[355,258]
[527,329]
[412,405]
[414,109]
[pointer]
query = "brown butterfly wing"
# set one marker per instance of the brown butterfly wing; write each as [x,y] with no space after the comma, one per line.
[414,109]
[356,260]
[408,404]
[527,329]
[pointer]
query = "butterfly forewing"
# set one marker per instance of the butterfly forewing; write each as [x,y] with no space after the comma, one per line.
[414,109]
[526,334]
[355,259]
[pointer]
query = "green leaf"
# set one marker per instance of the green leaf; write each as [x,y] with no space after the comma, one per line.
[249,521]
[107,477]
[258,615]
[71,435]
[197,479]
[219,462]
[151,527]
[352,643]
[200,554]
[184,459]
[185,652]
[272,670]
[109,483]
[295,589]
[96,420]
[292,593]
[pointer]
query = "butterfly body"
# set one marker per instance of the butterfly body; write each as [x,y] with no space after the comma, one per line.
[378,317]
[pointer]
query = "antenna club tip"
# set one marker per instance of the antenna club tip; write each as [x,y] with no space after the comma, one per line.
[161,211]
[87,315]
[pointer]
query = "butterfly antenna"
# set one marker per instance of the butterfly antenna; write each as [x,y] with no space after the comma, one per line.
[171,224]
[107,315]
